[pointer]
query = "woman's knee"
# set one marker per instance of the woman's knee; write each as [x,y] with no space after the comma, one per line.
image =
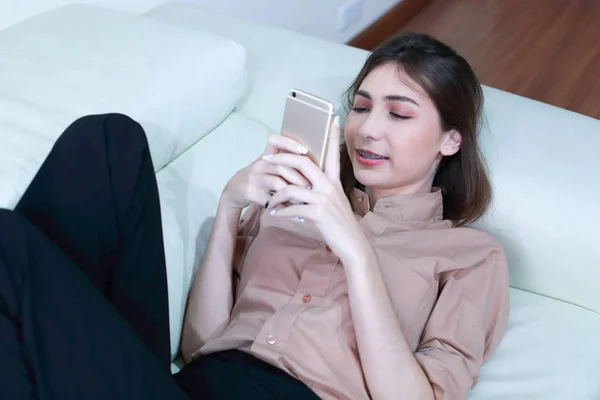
[114,129]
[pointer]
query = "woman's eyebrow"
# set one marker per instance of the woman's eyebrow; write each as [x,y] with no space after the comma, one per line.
[390,97]
[395,97]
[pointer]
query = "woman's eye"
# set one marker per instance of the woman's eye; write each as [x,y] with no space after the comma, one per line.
[360,109]
[398,116]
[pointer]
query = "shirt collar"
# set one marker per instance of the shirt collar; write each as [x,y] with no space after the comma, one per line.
[422,207]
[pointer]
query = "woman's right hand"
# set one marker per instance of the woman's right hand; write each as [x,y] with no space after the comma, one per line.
[256,182]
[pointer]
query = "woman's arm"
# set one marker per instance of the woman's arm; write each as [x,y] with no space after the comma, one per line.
[211,297]
[389,363]
[465,326]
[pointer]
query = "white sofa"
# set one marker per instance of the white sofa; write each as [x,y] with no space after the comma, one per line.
[209,89]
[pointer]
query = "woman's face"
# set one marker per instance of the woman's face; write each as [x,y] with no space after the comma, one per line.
[394,136]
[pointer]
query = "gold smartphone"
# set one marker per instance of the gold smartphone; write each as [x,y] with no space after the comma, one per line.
[307,119]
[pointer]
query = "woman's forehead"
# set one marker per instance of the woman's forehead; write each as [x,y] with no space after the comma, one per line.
[391,79]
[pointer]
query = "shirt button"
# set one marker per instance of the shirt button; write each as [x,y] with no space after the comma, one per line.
[271,339]
[306,298]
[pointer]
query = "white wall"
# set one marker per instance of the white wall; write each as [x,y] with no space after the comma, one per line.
[313,17]
[13,11]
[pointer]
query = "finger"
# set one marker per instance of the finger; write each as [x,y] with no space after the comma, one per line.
[272,183]
[277,143]
[291,175]
[299,212]
[303,164]
[293,194]
[260,196]
[332,157]
[270,148]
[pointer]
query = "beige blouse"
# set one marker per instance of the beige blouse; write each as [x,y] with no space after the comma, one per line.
[449,288]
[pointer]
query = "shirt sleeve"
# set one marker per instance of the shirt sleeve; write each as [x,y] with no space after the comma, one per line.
[465,326]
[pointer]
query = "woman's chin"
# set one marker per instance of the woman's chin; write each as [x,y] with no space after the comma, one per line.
[367,178]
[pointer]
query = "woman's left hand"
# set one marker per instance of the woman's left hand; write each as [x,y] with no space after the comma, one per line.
[324,203]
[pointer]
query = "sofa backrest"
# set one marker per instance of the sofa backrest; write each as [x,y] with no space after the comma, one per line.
[545,164]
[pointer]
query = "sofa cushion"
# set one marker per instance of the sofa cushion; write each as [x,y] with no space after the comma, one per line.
[278,59]
[189,189]
[80,59]
[548,352]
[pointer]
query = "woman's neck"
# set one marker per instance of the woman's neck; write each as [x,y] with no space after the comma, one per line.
[375,194]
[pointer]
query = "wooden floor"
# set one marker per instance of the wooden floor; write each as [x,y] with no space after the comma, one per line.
[548,50]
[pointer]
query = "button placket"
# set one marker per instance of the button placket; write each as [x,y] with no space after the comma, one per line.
[316,278]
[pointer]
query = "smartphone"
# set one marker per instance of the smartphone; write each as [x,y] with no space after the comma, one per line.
[307,119]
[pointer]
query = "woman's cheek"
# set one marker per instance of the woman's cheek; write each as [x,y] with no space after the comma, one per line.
[349,132]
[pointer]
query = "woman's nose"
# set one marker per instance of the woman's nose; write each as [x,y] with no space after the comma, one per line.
[371,128]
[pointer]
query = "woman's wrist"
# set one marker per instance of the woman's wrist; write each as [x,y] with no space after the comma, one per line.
[359,254]
[227,201]
[229,211]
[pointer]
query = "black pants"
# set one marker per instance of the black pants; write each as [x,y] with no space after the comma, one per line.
[83,290]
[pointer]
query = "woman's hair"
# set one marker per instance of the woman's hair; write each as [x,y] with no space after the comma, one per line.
[454,89]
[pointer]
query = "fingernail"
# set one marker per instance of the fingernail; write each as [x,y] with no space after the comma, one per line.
[302,149]
[267,157]
[336,121]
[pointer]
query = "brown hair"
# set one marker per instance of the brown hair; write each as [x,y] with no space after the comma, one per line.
[454,89]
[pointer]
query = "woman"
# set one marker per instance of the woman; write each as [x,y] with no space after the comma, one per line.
[357,282]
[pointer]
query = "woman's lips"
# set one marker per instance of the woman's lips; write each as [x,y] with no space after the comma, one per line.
[368,158]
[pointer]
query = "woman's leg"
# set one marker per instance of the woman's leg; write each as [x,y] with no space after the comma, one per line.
[60,338]
[96,198]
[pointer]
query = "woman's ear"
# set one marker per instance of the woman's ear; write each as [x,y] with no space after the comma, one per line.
[452,142]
